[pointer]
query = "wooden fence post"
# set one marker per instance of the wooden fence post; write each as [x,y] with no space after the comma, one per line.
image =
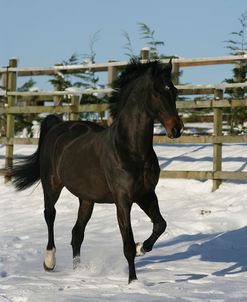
[3,117]
[57,100]
[10,128]
[175,72]
[112,73]
[75,103]
[145,53]
[112,76]
[217,147]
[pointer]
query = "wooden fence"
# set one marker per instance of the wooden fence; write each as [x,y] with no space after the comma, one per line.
[216,103]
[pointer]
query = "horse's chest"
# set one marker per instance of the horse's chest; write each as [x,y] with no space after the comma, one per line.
[145,182]
[140,180]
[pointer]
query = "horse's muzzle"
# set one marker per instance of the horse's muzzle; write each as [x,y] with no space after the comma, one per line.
[174,126]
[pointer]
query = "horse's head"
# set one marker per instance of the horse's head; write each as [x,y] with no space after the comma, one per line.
[163,100]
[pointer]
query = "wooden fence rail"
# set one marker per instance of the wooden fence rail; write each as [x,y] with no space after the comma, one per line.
[70,69]
[10,109]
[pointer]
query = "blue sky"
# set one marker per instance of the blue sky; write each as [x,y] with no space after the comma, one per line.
[42,33]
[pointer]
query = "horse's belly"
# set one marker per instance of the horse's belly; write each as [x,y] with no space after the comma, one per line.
[88,187]
[80,169]
[92,195]
[85,181]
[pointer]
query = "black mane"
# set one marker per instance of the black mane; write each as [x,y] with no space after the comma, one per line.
[132,71]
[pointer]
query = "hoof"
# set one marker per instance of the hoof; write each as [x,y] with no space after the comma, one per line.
[50,260]
[140,250]
[48,269]
[76,262]
[133,281]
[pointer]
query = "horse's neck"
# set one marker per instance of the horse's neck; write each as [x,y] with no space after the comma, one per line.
[134,131]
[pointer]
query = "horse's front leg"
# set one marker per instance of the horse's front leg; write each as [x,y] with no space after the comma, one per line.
[123,215]
[150,206]
[84,214]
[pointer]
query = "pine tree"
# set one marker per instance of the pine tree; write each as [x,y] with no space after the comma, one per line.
[128,46]
[238,43]
[25,121]
[85,79]
[238,46]
[148,34]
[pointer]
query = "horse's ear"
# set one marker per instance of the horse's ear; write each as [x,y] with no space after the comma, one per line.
[169,66]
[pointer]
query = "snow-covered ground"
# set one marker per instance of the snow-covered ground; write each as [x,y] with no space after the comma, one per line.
[201,257]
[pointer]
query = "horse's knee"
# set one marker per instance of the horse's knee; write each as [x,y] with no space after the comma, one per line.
[160,227]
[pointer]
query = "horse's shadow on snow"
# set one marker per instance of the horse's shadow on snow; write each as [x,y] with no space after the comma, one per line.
[229,248]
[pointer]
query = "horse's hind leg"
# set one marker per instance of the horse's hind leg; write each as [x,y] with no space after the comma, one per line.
[50,199]
[84,214]
[150,206]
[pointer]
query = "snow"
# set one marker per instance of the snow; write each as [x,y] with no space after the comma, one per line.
[201,257]
[197,128]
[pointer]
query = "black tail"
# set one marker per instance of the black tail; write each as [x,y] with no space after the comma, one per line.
[27,172]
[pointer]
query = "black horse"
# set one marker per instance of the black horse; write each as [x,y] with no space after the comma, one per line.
[107,165]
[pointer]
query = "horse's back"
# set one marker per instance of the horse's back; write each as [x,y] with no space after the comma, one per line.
[65,133]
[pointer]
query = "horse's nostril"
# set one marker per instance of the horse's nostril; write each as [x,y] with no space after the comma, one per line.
[175,132]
